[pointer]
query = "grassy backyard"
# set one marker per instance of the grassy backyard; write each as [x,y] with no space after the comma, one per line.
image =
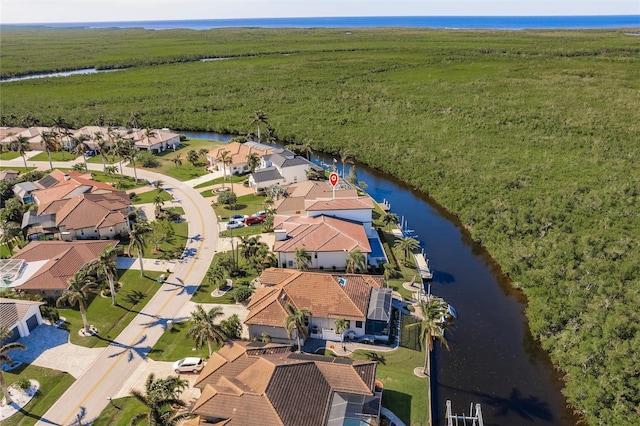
[108,319]
[234,178]
[176,344]
[120,412]
[53,384]
[55,156]
[149,197]
[186,170]
[245,204]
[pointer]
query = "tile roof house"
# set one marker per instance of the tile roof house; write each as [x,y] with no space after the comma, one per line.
[161,140]
[294,202]
[67,184]
[327,239]
[33,134]
[238,153]
[266,384]
[9,174]
[48,265]
[281,167]
[86,216]
[359,299]
[19,316]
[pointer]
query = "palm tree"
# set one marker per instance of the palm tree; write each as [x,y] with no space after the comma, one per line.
[192,157]
[177,161]
[204,329]
[341,326]
[4,358]
[150,133]
[435,321]
[81,285]
[138,240]
[103,146]
[253,161]
[158,202]
[80,147]
[131,156]
[249,246]
[21,144]
[302,259]
[158,184]
[260,117]
[160,397]
[216,274]
[407,245]
[346,157]
[10,230]
[296,320]
[49,143]
[390,219]
[356,260]
[110,170]
[224,159]
[202,152]
[60,129]
[106,264]
[121,148]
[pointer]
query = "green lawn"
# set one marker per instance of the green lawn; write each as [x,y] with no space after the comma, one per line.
[176,344]
[148,197]
[245,204]
[242,232]
[9,155]
[53,384]
[404,393]
[19,169]
[120,412]
[125,182]
[203,292]
[97,159]
[186,171]
[234,178]
[111,320]
[55,156]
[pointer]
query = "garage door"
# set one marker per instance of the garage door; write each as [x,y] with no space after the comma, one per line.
[32,322]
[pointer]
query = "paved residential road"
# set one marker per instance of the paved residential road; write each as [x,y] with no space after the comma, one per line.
[89,394]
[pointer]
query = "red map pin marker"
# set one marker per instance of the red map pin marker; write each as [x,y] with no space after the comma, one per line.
[333,179]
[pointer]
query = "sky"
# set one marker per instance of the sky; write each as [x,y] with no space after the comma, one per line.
[50,11]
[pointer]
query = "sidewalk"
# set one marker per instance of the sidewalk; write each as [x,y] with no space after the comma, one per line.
[203,179]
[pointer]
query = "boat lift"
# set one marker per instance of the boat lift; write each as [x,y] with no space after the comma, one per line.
[475,417]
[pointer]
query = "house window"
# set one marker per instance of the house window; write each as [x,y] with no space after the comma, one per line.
[315,255]
[82,232]
[358,324]
[290,263]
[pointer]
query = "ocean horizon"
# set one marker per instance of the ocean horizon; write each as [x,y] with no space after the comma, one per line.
[436,22]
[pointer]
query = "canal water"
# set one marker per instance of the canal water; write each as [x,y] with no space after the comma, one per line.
[493,359]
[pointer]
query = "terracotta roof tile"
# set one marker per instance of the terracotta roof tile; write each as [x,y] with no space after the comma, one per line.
[320,234]
[239,151]
[356,203]
[281,388]
[301,289]
[64,260]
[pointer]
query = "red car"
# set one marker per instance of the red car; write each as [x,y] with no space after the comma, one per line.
[253,220]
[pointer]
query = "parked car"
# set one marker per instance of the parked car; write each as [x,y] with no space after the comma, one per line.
[261,213]
[90,153]
[239,217]
[232,224]
[188,365]
[253,220]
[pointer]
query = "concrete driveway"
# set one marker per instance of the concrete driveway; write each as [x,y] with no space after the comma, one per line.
[48,346]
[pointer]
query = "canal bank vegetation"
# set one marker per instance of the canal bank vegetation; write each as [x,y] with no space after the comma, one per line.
[528,137]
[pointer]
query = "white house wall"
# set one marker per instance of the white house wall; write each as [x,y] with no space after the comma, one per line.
[321,260]
[277,334]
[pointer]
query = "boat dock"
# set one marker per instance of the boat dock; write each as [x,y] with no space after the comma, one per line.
[422,263]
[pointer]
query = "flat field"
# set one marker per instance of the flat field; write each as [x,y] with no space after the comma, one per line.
[529,137]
